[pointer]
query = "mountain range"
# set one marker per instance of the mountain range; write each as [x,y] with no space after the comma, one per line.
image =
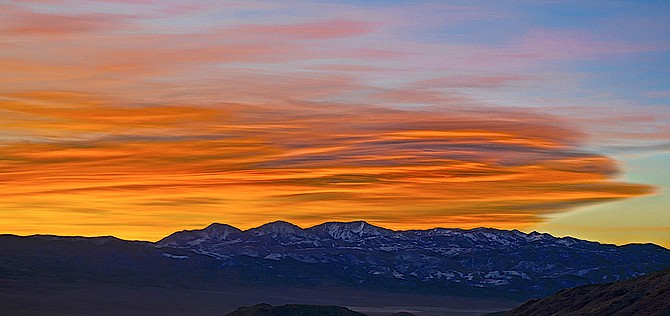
[480,261]
[282,259]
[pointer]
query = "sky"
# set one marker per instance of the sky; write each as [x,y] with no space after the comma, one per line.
[138,118]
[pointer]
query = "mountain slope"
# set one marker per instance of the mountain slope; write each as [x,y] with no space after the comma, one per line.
[104,260]
[476,262]
[648,295]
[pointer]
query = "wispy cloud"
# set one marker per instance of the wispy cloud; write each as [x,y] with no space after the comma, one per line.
[303,163]
[19,21]
[325,29]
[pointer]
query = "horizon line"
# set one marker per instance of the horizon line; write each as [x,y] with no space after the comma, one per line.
[329,222]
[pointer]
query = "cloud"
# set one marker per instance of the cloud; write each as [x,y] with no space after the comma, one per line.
[472,81]
[324,29]
[305,163]
[143,116]
[19,21]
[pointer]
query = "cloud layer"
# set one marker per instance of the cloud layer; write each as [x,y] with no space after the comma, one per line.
[138,118]
[76,160]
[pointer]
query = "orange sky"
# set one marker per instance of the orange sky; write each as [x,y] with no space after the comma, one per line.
[144,172]
[140,118]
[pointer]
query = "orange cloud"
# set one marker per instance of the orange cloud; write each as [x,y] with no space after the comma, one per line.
[74,164]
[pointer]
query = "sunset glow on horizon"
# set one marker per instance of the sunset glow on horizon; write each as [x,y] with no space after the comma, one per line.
[140,118]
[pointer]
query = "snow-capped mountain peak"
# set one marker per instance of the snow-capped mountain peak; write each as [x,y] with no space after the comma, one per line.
[215,232]
[483,258]
[349,231]
[280,228]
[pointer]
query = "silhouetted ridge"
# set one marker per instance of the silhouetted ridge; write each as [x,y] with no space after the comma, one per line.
[648,295]
[293,310]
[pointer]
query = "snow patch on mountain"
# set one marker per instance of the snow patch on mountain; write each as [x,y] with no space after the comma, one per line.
[481,257]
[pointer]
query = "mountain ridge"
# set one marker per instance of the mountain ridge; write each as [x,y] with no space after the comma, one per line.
[532,234]
[499,262]
[482,262]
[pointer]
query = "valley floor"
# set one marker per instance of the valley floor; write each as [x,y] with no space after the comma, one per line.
[38,297]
